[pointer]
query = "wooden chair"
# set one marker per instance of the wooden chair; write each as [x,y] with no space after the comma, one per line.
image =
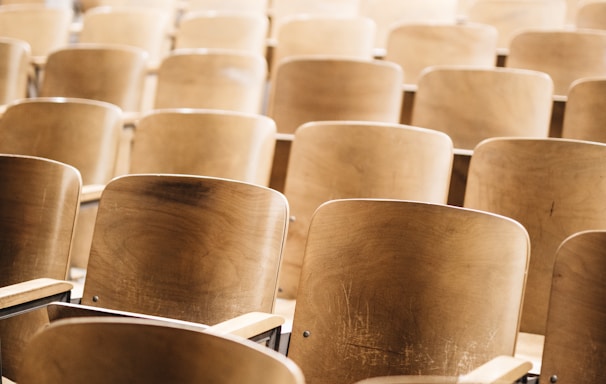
[110,73]
[238,30]
[388,12]
[585,110]
[212,79]
[214,143]
[102,350]
[331,160]
[554,187]
[591,14]
[395,287]
[566,55]
[259,6]
[83,133]
[14,69]
[510,17]
[142,27]
[38,206]
[44,28]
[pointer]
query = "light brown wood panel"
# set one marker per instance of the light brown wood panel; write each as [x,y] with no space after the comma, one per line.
[331,160]
[591,14]
[575,339]
[585,111]
[258,6]
[14,69]
[554,187]
[105,350]
[392,287]
[471,104]
[214,143]
[187,247]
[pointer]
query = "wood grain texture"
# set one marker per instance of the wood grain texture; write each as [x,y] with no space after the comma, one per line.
[392,287]
[328,88]
[554,187]
[332,160]
[565,55]
[188,247]
[471,104]
[575,339]
[585,111]
[205,142]
[111,350]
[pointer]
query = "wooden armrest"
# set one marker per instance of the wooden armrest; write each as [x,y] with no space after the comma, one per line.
[500,370]
[29,291]
[248,325]
[91,192]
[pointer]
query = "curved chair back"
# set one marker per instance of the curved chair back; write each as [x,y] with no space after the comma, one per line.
[111,350]
[394,287]
[331,160]
[192,248]
[586,110]
[14,69]
[258,6]
[225,144]
[554,187]
[591,14]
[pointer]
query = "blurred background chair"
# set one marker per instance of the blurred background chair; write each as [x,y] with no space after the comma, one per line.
[393,287]
[585,111]
[39,202]
[591,14]
[555,188]
[14,70]
[345,159]
[102,350]
[258,6]
[216,143]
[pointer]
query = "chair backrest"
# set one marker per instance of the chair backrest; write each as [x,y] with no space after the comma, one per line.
[544,50]
[238,30]
[575,338]
[142,27]
[511,17]
[591,14]
[554,187]
[110,73]
[45,29]
[258,6]
[331,160]
[416,46]
[112,350]
[192,248]
[212,79]
[393,287]
[471,104]
[282,10]
[316,88]
[350,37]
[230,145]
[388,12]
[586,110]
[82,133]
[38,205]
[14,69]
[169,6]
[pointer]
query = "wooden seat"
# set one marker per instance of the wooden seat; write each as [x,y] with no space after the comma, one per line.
[382,161]
[142,27]
[416,46]
[393,287]
[585,110]
[510,17]
[349,37]
[44,28]
[215,143]
[238,30]
[388,12]
[110,73]
[545,50]
[591,14]
[38,206]
[103,350]
[14,69]
[212,79]
[554,187]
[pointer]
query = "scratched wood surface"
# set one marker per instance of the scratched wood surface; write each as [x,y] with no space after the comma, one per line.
[554,187]
[398,288]
[187,247]
[332,160]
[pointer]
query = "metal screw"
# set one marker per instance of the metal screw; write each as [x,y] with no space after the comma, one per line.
[95,298]
[306,333]
[553,379]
